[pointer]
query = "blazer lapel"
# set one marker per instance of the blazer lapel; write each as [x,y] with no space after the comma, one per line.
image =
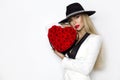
[73,52]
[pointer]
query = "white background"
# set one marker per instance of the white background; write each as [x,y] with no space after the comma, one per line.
[25,53]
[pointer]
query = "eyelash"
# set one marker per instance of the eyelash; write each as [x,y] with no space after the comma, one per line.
[69,20]
[77,16]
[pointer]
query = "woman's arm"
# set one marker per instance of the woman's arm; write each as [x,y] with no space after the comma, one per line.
[84,64]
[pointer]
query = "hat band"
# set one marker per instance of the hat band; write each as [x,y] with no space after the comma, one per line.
[74,13]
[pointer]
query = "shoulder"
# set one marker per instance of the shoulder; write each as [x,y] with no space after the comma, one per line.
[95,38]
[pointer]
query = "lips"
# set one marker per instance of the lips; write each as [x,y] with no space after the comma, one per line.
[76,26]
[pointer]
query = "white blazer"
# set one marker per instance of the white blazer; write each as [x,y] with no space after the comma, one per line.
[80,67]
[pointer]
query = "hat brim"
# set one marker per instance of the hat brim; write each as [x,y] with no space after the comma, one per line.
[75,13]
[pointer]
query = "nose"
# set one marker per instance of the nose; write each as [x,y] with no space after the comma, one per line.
[73,21]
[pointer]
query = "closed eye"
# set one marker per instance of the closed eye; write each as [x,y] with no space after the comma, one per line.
[77,16]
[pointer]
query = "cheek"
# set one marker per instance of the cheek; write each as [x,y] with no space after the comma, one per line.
[71,24]
[81,23]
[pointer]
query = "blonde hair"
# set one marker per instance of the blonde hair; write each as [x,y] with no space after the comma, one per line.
[89,27]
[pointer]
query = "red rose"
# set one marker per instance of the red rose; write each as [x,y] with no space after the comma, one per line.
[60,38]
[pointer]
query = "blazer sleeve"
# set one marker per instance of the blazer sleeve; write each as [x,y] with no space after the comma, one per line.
[85,64]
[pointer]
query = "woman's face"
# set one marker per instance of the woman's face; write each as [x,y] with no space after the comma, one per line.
[77,22]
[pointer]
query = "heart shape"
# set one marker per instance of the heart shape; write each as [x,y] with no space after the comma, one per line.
[62,39]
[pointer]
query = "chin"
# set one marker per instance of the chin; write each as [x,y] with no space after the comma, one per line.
[78,29]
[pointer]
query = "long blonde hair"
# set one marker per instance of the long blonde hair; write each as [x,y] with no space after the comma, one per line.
[89,27]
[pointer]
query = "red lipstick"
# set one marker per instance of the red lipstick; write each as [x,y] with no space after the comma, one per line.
[76,26]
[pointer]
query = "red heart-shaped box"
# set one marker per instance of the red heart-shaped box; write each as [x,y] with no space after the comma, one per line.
[60,38]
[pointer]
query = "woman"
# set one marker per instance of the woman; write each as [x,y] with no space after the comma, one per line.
[79,65]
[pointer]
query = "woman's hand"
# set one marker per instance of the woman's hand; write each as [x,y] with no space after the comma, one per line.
[56,52]
[59,54]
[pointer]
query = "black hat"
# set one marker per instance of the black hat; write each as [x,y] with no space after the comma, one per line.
[73,9]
